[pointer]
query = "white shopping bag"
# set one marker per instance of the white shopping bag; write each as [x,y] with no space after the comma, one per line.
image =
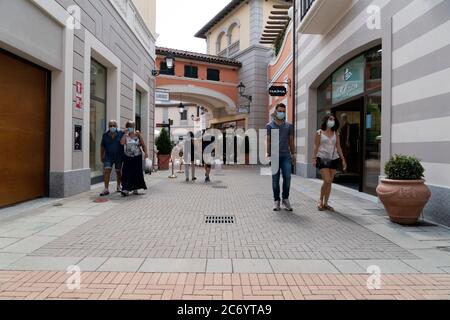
[148,166]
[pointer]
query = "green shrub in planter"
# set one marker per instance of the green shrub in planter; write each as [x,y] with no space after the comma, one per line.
[163,143]
[401,167]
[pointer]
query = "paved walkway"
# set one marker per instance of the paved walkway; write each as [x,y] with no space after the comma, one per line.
[163,235]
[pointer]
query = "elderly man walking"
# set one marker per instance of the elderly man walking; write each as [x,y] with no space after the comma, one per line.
[112,155]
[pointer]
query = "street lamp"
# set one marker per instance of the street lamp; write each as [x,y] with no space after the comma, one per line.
[181,108]
[241,87]
[169,60]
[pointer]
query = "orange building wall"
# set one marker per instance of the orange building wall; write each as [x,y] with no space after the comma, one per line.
[228,77]
[284,54]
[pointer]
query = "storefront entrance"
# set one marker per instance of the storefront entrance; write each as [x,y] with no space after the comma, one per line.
[24,126]
[353,95]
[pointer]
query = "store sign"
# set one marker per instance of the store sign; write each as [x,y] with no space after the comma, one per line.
[244,110]
[277,91]
[79,95]
[348,81]
[162,96]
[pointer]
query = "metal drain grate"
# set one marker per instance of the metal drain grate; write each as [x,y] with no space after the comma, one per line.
[219,219]
[220,187]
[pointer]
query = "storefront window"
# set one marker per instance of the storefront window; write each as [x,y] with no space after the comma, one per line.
[138,116]
[373,69]
[353,94]
[97,117]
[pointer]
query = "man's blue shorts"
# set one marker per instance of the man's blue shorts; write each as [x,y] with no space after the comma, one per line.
[116,162]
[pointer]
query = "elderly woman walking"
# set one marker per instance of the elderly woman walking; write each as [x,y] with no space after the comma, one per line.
[132,171]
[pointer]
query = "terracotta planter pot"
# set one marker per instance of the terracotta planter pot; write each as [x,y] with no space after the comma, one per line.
[404,200]
[163,161]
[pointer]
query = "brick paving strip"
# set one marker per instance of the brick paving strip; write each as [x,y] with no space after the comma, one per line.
[33,285]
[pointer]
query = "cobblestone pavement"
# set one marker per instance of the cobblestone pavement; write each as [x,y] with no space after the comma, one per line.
[158,246]
[192,286]
[169,222]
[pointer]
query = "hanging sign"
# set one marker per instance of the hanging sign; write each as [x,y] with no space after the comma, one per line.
[277,91]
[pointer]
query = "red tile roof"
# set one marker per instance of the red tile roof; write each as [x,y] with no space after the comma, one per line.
[198,56]
[222,14]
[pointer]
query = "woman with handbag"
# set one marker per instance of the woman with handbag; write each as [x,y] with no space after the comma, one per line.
[327,155]
[132,170]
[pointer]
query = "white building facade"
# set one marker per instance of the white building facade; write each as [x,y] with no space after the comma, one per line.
[92,62]
[382,67]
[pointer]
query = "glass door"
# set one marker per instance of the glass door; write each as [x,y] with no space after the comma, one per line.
[372,145]
[349,115]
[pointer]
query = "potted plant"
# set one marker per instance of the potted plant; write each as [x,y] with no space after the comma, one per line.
[164,146]
[404,193]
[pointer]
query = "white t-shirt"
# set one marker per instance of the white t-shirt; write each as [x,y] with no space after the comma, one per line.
[327,148]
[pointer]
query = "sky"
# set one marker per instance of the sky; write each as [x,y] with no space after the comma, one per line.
[177,21]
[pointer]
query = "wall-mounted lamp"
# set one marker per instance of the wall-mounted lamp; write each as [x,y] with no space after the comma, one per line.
[169,63]
[181,108]
[241,87]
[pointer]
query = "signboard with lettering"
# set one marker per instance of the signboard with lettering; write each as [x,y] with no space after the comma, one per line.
[244,109]
[162,96]
[78,95]
[348,81]
[277,91]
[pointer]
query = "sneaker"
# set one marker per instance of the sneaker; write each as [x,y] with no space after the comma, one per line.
[194,178]
[125,193]
[119,189]
[207,180]
[287,205]
[277,206]
[104,193]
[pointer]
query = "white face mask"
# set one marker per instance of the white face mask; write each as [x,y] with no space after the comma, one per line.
[331,124]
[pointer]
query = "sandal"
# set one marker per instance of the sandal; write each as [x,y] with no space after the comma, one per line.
[320,207]
[328,208]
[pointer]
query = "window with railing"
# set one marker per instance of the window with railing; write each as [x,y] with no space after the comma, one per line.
[305,6]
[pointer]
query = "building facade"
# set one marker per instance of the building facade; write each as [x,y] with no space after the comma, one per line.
[66,69]
[382,67]
[235,32]
[281,74]
[205,85]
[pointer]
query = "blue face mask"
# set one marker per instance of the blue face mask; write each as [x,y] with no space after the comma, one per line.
[130,130]
[281,115]
[113,129]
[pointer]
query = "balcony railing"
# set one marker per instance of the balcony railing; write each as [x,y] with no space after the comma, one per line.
[319,16]
[305,6]
[230,50]
[234,48]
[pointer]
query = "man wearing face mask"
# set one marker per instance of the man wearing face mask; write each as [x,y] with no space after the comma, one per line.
[286,156]
[112,155]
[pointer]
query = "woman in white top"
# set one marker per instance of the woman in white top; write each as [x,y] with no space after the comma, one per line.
[327,155]
[132,170]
